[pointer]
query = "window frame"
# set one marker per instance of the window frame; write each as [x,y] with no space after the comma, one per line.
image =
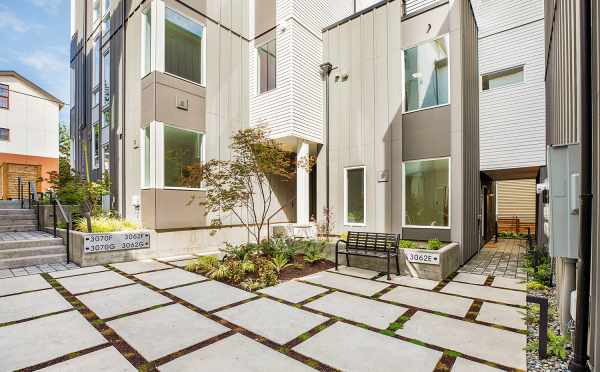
[404,224]
[158,13]
[157,156]
[495,72]
[403,64]
[346,222]
[7,87]
[258,72]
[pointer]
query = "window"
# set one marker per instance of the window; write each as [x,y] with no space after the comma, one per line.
[147,40]
[267,66]
[426,74]
[354,190]
[4,90]
[106,158]
[501,78]
[72,81]
[106,16]
[95,10]
[183,46]
[96,146]
[96,72]
[426,193]
[147,158]
[183,157]
[106,77]
[4,134]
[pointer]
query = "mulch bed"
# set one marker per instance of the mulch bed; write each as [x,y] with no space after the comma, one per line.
[307,269]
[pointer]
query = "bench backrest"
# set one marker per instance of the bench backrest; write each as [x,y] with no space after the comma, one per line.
[372,241]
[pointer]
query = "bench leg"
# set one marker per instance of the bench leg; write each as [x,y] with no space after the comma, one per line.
[347,260]
[336,260]
[388,266]
[397,265]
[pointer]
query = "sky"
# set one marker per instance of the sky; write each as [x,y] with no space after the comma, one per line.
[35,43]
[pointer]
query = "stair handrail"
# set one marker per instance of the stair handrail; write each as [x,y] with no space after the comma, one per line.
[56,203]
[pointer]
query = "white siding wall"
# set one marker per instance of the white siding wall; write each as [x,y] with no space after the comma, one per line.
[512,118]
[33,122]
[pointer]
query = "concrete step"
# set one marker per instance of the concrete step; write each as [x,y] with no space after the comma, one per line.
[32,251]
[13,212]
[19,217]
[18,221]
[18,228]
[11,263]
[30,243]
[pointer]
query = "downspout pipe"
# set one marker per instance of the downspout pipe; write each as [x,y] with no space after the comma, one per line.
[580,339]
[326,69]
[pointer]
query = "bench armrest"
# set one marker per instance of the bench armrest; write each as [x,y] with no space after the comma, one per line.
[338,243]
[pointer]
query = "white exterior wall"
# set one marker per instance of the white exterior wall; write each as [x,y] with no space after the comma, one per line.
[512,118]
[33,122]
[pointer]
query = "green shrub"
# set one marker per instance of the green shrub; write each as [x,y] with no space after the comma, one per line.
[434,244]
[102,224]
[240,252]
[280,262]
[314,251]
[556,345]
[203,264]
[536,286]
[407,244]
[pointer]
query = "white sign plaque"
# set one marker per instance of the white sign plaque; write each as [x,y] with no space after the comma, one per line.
[118,241]
[419,256]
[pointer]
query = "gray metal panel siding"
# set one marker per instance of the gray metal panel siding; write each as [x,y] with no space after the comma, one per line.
[595,289]
[470,117]
[426,134]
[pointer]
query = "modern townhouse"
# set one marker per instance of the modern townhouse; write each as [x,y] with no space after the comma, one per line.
[572,30]
[512,114]
[402,103]
[29,119]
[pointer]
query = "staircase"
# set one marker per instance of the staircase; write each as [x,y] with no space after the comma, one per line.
[21,244]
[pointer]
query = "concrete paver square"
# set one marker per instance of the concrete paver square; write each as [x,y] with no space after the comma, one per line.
[346,283]
[22,284]
[182,263]
[93,282]
[210,295]
[350,348]
[433,301]
[293,291]
[169,278]
[510,283]
[103,360]
[488,343]
[136,267]
[355,271]
[486,293]
[409,281]
[165,330]
[39,340]
[502,315]
[275,321]
[235,353]
[470,278]
[80,271]
[30,305]
[122,300]
[465,365]
[358,309]
[176,258]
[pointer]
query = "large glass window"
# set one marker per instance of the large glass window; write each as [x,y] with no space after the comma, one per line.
[501,78]
[426,193]
[183,46]
[4,90]
[147,41]
[183,157]
[267,66]
[426,74]
[354,196]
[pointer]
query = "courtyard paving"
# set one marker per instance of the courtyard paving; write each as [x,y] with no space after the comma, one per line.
[153,315]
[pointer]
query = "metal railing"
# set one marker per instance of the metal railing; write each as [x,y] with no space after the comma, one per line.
[57,206]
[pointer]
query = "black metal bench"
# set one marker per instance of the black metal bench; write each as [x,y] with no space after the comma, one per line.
[367,244]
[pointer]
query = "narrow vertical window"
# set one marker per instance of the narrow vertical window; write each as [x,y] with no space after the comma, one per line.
[106,158]
[426,193]
[95,10]
[73,86]
[267,66]
[96,72]
[106,15]
[106,77]
[147,157]
[96,146]
[426,74]
[147,41]
[183,46]
[4,96]
[354,197]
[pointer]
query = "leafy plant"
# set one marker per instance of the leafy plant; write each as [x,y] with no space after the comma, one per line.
[314,251]
[536,286]
[434,244]
[280,262]
[240,252]
[532,314]
[556,345]
[407,244]
[203,264]
[266,276]
[104,224]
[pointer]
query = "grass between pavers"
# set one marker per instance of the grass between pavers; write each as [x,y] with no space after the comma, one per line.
[135,358]
[402,319]
[489,280]
[286,350]
[474,310]
[446,362]
[444,282]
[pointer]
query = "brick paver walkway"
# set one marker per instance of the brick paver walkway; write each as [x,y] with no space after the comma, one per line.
[503,259]
[129,317]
